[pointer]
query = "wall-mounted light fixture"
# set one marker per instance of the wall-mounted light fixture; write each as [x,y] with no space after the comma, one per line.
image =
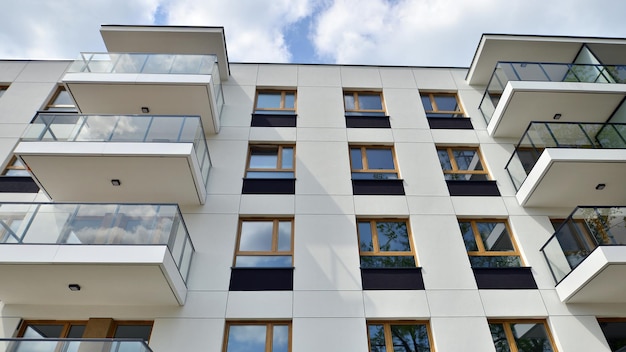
[600,186]
[116,182]
[556,116]
[74,287]
[145,109]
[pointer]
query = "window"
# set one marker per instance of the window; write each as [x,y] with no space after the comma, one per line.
[109,328]
[462,163]
[489,243]
[257,337]
[614,330]
[385,244]
[15,168]
[271,161]
[61,101]
[521,336]
[441,105]
[265,243]
[364,103]
[3,89]
[398,336]
[373,163]
[275,102]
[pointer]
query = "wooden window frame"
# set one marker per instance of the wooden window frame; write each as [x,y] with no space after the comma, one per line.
[365,164]
[377,252]
[11,166]
[274,251]
[67,324]
[283,95]
[357,108]
[388,336]
[482,252]
[510,338]
[455,168]
[433,103]
[269,329]
[279,158]
[51,105]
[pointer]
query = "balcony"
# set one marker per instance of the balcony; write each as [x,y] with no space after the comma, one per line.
[117,158]
[162,84]
[116,254]
[520,91]
[587,254]
[56,345]
[563,164]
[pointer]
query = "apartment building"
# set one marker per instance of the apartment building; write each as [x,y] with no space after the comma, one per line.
[158,197]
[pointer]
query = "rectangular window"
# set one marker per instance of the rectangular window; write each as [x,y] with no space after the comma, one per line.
[441,105]
[257,337]
[373,163]
[398,336]
[614,330]
[265,243]
[521,336]
[61,101]
[364,103]
[271,161]
[385,244]
[15,168]
[129,329]
[462,163]
[275,102]
[489,243]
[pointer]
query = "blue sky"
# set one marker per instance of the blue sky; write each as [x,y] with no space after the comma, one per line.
[381,32]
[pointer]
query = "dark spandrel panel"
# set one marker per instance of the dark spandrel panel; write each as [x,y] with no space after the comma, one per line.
[261,279]
[454,122]
[378,187]
[18,184]
[269,186]
[392,278]
[358,120]
[273,118]
[472,188]
[504,278]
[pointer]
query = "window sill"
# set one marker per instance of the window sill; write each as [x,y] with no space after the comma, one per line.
[450,123]
[261,279]
[392,278]
[361,121]
[504,278]
[393,187]
[472,188]
[269,186]
[273,120]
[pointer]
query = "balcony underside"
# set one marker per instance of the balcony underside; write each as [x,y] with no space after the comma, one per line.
[148,172]
[525,101]
[126,93]
[107,275]
[564,177]
[598,279]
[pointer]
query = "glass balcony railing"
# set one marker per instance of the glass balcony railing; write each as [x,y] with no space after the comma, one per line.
[72,345]
[541,135]
[122,128]
[98,224]
[582,232]
[547,72]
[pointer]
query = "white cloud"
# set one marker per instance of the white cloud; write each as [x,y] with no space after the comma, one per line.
[254,28]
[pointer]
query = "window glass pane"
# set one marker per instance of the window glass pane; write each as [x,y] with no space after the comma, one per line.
[63,98]
[446,103]
[468,236]
[44,330]
[76,331]
[377,337]
[133,332]
[494,261]
[428,106]
[370,102]
[284,236]
[268,100]
[349,101]
[2,90]
[410,338]
[531,337]
[280,340]
[355,158]
[256,236]
[131,128]
[392,236]
[287,161]
[263,158]
[263,261]
[269,174]
[615,333]
[499,337]
[164,129]
[248,338]
[444,159]
[365,236]
[374,176]
[380,159]
[467,159]
[290,100]
[388,261]
[495,236]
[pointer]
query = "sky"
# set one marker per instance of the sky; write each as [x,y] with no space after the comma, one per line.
[376,32]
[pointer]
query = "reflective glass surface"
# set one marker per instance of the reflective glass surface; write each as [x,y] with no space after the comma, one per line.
[256,236]
[370,101]
[365,236]
[284,236]
[388,261]
[467,159]
[263,261]
[349,101]
[356,158]
[392,236]
[268,100]
[263,158]
[444,159]
[280,340]
[531,337]
[287,158]
[380,159]
[290,100]
[247,338]
[446,103]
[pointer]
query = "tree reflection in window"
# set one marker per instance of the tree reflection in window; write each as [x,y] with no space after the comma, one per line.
[385,244]
[398,337]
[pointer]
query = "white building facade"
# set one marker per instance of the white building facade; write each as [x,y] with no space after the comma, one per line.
[160,192]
